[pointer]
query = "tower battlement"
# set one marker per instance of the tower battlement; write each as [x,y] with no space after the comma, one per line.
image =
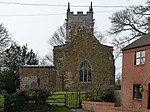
[77,21]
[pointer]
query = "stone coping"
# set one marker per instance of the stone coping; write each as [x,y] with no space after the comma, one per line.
[36,66]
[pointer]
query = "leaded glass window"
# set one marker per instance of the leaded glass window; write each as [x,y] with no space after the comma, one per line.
[85,72]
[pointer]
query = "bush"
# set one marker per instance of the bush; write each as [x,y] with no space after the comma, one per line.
[15,101]
[38,96]
[1,101]
[18,99]
[102,96]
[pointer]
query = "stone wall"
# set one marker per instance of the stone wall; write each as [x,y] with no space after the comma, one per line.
[68,57]
[37,77]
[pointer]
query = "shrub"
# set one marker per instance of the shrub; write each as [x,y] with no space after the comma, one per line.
[18,99]
[15,101]
[1,101]
[38,96]
[106,95]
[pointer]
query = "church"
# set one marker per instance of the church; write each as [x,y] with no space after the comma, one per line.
[78,64]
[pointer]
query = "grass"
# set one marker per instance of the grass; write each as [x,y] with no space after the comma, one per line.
[57,97]
[1,101]
[59,109]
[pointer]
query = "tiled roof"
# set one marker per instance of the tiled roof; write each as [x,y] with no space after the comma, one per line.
[142,41]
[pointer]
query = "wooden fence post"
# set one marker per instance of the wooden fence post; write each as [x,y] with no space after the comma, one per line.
[66,99]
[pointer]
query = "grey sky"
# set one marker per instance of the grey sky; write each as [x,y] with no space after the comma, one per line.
[36,30]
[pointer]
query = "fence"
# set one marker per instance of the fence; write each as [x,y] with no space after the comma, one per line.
[57,99]
[69,99]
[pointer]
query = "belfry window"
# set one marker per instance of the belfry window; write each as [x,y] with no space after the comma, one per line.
[85,72]
[78,30]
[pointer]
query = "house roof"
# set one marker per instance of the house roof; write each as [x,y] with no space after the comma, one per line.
[142,41]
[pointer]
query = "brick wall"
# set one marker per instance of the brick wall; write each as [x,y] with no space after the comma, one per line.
[106,107]
[134,74]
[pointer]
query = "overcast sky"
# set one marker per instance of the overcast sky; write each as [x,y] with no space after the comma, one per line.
[40,22]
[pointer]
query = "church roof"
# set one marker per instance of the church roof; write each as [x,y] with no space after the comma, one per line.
[142,41]
[37,66]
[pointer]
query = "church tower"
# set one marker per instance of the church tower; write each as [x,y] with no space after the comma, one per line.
[75,22]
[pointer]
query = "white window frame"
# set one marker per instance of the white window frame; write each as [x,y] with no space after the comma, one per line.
[140,57]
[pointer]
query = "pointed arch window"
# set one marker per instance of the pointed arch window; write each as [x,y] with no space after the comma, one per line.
[85,72]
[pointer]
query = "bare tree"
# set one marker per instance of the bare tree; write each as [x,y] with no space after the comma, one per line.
[59,36]
[4,42]
[128,24]
[47,60]
[4,38]
[100,36]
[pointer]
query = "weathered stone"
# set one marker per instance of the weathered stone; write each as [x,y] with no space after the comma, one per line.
[42,76]
[82,54]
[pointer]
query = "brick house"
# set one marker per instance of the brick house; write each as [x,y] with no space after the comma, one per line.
[83,59]
[135,91]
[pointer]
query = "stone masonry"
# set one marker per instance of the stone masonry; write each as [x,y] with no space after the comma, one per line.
[78,64]
[37,77]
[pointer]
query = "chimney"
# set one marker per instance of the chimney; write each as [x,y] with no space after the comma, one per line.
[148,24]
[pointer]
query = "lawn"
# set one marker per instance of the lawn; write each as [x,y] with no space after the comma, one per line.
[59,109]
[58,98]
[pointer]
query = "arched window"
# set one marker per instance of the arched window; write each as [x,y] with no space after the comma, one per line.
[85,72]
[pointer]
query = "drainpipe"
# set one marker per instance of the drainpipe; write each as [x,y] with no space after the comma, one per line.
[145,80]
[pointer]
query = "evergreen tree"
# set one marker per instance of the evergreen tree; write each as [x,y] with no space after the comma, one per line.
[15,57]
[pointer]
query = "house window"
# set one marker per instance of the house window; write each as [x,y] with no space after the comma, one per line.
[85,72]
[136,91]
[140,57]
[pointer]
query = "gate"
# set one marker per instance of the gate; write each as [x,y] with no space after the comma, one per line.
[68,99]
[73,99]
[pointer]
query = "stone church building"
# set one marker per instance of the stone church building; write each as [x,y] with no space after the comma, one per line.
[79,63]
